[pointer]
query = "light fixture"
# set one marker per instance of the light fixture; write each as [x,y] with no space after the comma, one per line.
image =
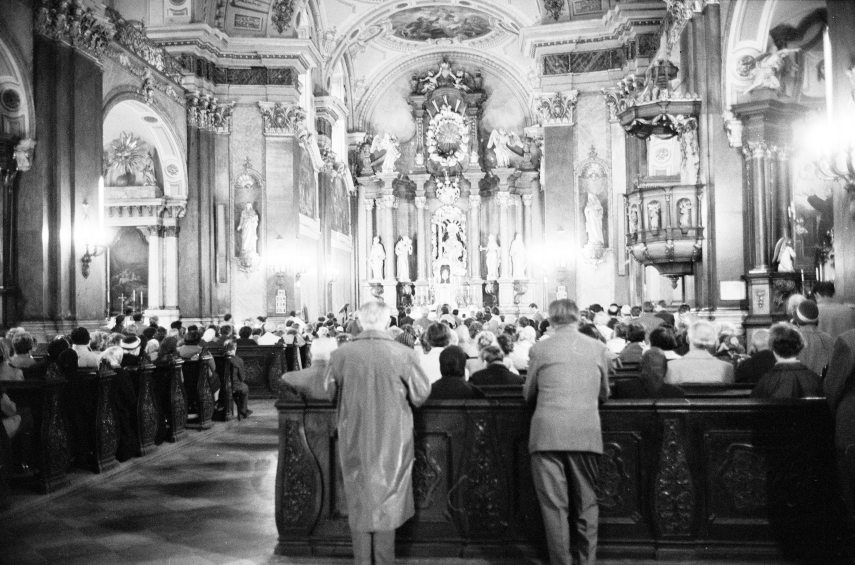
[91,237]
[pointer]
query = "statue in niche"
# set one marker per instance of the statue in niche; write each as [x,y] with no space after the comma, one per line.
[364,166]
[785,255]
[690,167]
[654,212]
[248,229]
[377,257]
[492,257]
[633,220]
[594,220]
[388,144]
[403,250]
[770,69]
[500,142]
[452,249]
[517,252]
[685,219]
[149,177]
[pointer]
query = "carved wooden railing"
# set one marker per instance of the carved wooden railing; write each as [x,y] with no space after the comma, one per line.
[265,364]
[44,396]
[169,392]
[89,407]
[691,478]
[200,399]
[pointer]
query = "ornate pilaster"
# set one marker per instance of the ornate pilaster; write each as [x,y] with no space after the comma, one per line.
[72,23]
[170,249]
[155,276]
[556,109]
[503,201]
[475,238]
[528,219]
[421,230]
[385,204]
[365,222]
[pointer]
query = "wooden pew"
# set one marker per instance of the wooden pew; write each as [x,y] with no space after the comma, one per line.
[264,365]
[225,410]
[198,392]
[170,397]
[89,406]
[43,392]
[139,407]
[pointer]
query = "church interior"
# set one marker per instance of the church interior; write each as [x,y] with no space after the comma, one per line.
[188,159]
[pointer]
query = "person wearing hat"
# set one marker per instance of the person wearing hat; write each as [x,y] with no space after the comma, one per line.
[86,358]
[131,347]
[818,344]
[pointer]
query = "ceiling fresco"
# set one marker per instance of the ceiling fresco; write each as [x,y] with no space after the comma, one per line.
[436,23]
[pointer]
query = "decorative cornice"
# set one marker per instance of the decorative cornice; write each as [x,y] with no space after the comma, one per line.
[132,36]
[557,109]
[331,108]
[207,113]
[282,119]
[147,211]
[70,22]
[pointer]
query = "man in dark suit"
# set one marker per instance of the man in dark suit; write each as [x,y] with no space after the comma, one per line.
[496,372]
[648,319]
[840,394]
[240,390]
[567,379]
[452,385]
[761,361]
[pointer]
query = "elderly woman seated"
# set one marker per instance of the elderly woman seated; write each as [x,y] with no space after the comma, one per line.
[495,372]
[22,345]
[698,365]
[789,378]
[453,385]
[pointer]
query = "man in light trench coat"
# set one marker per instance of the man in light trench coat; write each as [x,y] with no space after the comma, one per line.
[378,380]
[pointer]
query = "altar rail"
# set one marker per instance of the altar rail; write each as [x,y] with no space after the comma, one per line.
[693,478]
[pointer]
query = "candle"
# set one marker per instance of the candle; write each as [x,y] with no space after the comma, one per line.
[134,297]
[142,299]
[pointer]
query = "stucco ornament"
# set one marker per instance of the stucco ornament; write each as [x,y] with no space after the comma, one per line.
[447,138]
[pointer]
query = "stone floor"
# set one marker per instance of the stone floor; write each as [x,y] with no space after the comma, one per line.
[206,500]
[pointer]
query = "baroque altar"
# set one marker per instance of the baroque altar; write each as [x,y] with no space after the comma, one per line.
[451,206]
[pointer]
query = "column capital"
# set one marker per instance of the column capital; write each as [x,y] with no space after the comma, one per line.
[556,109]
[282,119]
[171,231]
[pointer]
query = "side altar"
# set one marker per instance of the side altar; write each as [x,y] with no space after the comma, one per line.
[446,217]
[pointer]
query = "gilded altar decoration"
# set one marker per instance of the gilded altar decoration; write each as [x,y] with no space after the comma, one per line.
[556,109]
[282,119]
[73,23]
[447,138]
[768,69]
[129,157]
[132,36]
[447,190]
[283,11]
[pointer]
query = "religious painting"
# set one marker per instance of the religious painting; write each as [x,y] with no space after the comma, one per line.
[339,207]
[433,23]
[306,186]
[128,270]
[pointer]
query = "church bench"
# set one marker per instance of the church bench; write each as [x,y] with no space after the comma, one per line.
[136,410]
[264,364]
[197,389]
[44,395]
[689,479]
[89,405]
[170,397]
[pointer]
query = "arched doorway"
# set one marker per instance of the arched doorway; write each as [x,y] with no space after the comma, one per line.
[145,194]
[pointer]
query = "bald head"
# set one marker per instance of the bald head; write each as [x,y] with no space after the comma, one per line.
[760,340]
[374,316]
[702,335]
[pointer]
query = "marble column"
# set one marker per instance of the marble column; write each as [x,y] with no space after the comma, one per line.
[421,233]
[527,224]
[384,204]
[155,277]
[475,237]
[366,235]
[170,245]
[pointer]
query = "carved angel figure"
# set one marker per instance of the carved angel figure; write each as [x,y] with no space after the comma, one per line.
[654,211]
[500,142]
[685,213]
[388,144]
[785,255]
[770,68]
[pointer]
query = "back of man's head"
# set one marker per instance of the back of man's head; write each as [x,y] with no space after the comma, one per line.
[533,306]
[225,331]
[702,335]
[227,317]
[322,349]
[80,336]
[452,362]
[374,316]
[647,306]
[492,353]
[760,340]
[138,317]
[824,289]
[806,314]
[245,332]
[563,312]
[176,325]
[635,311]
[684,308]
[785,340]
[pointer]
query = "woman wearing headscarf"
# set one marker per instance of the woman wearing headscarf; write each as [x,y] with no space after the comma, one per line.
[651,380]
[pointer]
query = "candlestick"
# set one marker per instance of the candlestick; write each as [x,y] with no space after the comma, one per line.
[142,300]
[134,298]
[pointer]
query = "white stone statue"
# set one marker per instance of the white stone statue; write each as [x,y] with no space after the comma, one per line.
[377,256]
[148,174]
[594,220]
[248,229]
[517,252]
[690,166]
[633,220]
[653,211]
[499,142]
[403,250]
[685,213]
[389,144]
[492,257]
[785,255]
[770,67]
